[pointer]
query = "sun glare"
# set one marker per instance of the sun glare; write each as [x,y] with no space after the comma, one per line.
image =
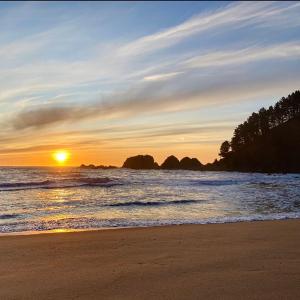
[61,156]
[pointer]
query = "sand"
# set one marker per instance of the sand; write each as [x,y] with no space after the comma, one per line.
[256,260]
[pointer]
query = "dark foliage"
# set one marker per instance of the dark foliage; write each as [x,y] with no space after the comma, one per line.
[224,149]
[269,141]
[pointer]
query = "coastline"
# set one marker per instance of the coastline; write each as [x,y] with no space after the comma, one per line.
[249,260]
[211,221]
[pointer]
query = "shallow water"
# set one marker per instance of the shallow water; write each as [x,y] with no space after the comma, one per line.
[38,199]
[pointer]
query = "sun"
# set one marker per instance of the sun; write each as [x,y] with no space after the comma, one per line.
[61,156]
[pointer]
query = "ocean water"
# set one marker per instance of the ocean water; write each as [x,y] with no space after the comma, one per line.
[62,199]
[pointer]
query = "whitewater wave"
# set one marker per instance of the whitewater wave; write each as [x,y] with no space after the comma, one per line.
[8,216]
[88,223]
[214,182]
[60,183]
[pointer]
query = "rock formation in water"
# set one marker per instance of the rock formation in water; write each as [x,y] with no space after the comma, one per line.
[91,166]
[140,162]
[171,163]
[188,163]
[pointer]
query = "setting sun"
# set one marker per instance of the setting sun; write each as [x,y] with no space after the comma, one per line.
[61,156]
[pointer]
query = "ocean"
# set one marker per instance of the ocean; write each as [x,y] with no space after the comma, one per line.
[65,199]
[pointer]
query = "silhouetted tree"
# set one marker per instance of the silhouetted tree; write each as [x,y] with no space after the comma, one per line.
[224,149]
[267,140]
[259,124]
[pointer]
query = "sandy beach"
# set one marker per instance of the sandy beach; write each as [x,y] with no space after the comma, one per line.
[257,260]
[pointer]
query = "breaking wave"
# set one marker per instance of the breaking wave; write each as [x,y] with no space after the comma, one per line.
[214,182]
[60,183]
[8,216]
[153,203]
[88,223]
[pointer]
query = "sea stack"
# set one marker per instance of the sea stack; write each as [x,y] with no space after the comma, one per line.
[140,162]
[188,163]
[171,163]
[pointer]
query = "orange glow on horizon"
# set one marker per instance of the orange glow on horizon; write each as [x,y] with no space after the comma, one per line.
[101,156]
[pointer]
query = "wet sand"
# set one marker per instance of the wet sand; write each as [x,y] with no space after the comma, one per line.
[256,260]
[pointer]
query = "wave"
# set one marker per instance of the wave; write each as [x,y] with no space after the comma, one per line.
[152,203]
[60,183]
[214,182]
[264,184]
[24,184]
[8,216]
[91,223]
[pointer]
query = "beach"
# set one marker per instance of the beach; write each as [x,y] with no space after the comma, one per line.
[245,260]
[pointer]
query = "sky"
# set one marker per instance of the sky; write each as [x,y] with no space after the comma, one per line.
[109,80]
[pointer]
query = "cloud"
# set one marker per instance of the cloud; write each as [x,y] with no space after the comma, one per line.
[155,97]
[158,77]
[39,148]
[235,15]
[289,50]
[133,78]
[116,137]
[36,70]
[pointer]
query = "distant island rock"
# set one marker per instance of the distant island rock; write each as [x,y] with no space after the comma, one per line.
[171,163]
[140,162]
[188,163]
[91,166]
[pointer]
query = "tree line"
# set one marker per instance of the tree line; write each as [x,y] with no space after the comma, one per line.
[261,123]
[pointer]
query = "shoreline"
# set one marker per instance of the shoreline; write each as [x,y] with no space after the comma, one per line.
[249,260]
[72,230]
[159,169]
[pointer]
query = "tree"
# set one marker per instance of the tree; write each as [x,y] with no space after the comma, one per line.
[268,140]
[224,149]
[263,121]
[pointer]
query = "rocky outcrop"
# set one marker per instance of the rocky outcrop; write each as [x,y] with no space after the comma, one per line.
[171,163]
[140,162]
[188,163]
[83,166]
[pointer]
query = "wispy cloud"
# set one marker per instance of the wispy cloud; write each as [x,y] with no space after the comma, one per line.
[234,15]
[66,71]
[158,77]
[158,97]
[114,136]
[246,55]
[116,63]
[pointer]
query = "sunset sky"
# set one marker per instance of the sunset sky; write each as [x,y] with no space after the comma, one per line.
[110,80]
